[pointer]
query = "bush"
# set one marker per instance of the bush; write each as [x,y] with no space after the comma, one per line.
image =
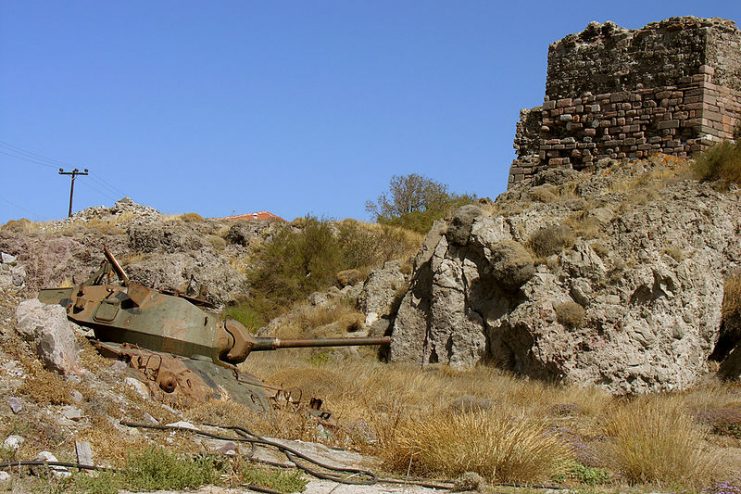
[552,240]
[246,314]
[306,257]
[496,446]
[570,314]
[190,217]
[415,202]
[721,162]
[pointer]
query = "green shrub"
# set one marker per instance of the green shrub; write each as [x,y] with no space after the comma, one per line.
[281,481]
[247,314]
[552,240]
[414,202]
[151,470]
[306,256]
[588,475]
[721,162]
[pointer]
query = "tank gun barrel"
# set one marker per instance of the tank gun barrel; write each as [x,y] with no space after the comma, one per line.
[116,266]
[263,344]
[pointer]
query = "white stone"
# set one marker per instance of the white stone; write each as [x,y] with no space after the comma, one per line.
[13,442]
[139,387]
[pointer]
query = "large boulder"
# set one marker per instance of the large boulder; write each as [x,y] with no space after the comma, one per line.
[631,305]
[195,273]
[52,335]
[380,291]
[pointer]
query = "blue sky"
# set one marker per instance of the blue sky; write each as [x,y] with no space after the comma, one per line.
[296,107]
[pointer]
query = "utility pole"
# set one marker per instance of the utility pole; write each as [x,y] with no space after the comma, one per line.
[73,175]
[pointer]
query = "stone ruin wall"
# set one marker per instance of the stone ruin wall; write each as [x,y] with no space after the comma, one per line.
[672,87]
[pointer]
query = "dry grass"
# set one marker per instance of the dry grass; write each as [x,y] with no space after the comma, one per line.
[721,162]
[552,240]
[190,217]
[584,225]
[674,252]
[493,444]
[396,411]
[655,441]
[732,296]
[570,314]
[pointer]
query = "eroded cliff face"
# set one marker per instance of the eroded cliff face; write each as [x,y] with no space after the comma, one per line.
[613,278]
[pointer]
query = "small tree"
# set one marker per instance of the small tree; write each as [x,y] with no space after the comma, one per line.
[414,202]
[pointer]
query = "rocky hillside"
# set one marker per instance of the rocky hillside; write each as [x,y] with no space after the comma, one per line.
[613,278]
[184,253]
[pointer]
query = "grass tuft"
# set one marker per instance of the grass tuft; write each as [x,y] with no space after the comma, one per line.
[281,481]
[552,240]
[570,314]
[721,162]
[657,442]
[498,447]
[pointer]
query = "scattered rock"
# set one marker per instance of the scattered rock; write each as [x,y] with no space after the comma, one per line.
[4,476]
[57,471]
[13,442]
[139,387]
[7,259]
[183,424]
[16,405]
[49,331]
[318,299]
[76,396]
[71,413]
[469,481]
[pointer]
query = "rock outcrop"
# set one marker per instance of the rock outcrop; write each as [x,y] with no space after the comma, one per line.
[49,331]
[639,252]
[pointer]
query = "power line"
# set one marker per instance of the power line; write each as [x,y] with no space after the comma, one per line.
[107,185]
[34,157]
[26,158]
[18,207]
[101,192]
[32,154]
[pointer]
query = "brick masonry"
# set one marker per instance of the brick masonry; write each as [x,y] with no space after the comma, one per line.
[672,87]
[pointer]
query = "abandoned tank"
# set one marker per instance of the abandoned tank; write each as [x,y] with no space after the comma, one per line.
[170,343]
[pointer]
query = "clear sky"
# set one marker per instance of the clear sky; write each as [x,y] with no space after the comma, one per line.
[295,107]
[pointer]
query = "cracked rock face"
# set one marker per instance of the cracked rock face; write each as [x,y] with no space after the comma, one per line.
[650,281]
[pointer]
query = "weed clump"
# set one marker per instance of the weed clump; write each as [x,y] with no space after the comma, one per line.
[153,469]
[499,447]
[190,217]
[570,314]
[721,162]
[281,481]
[552,240]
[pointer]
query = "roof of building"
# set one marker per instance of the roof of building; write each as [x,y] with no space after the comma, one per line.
[258,216]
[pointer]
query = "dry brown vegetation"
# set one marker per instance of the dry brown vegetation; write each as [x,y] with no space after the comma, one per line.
[507,429]
[552,240]
[732,296]
[570,314]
